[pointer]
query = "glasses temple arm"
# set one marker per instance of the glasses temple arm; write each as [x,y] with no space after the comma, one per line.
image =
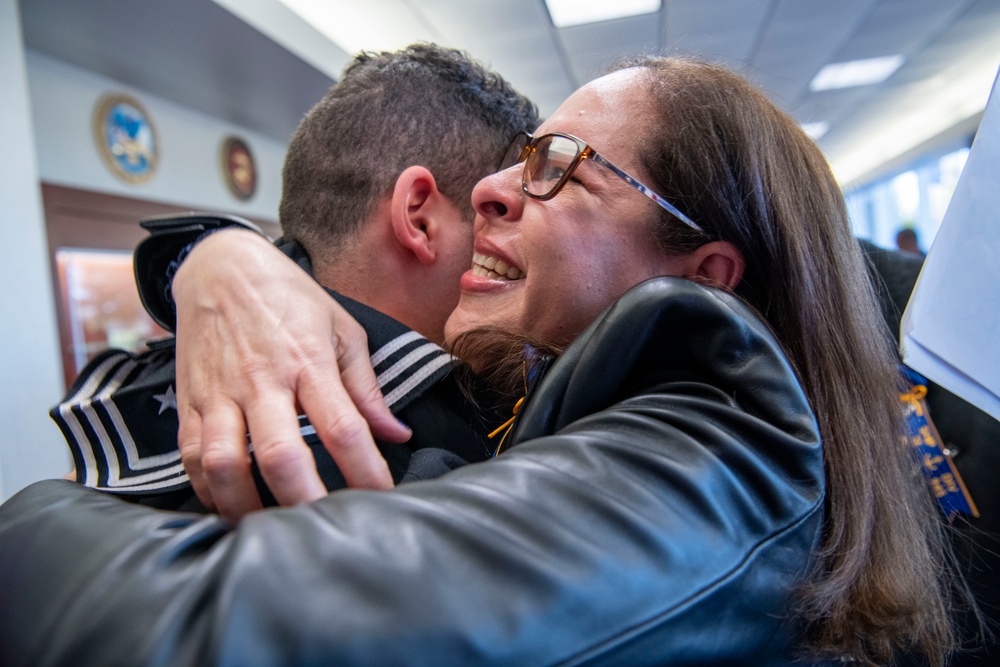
[670,208]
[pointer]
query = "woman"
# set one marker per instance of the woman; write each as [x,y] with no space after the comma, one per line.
[754,182]
[664,496]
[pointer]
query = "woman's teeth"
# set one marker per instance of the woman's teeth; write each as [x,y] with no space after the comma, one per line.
[491,267]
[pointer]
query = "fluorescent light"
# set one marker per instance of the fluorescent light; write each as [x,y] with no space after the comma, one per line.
[355,26]
[856,73]
[575,12]
[815,130]
[960,96]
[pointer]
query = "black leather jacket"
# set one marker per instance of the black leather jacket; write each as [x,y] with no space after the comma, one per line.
[658,504]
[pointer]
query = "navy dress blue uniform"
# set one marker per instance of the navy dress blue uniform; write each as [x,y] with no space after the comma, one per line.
[120,415]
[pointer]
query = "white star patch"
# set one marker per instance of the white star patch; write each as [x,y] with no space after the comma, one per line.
[167,400]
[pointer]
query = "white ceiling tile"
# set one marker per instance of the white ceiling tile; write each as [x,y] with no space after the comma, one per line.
[799,39]
[719,30]
[590,49]
[900,26]
[514,37]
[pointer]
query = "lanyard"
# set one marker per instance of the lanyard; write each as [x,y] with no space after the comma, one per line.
[935,461]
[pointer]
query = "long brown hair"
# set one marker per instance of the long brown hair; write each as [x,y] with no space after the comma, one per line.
[747,174]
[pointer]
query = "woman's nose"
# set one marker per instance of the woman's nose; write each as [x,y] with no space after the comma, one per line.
[499,196]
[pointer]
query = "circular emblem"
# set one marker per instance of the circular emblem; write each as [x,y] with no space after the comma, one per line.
[126,138]
[238,168]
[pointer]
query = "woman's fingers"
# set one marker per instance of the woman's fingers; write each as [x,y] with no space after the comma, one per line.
[336,415]
[285,461]
[189,443]
[257,337]
[225,461]
[356,376]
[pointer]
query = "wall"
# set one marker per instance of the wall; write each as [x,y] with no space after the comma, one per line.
[63,98]
[31,447]
[46,132]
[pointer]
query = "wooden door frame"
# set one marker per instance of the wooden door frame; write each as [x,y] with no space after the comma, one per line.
[85,219]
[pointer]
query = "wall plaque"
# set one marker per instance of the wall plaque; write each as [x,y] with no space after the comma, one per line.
[239,169]
[126,138]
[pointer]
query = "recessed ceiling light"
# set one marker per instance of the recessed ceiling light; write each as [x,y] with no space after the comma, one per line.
[576,12]
[856,73]
[815,130]
[387,25]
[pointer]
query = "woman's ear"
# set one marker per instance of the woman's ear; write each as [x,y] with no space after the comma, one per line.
[718,263]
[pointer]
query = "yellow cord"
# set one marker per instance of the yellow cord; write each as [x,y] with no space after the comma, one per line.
[509,424]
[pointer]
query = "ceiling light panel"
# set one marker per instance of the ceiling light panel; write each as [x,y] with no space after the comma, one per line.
[795,42]
[355,26]
[565,13]
[856,73]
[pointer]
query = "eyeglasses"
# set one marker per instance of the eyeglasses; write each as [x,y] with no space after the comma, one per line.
[551,159]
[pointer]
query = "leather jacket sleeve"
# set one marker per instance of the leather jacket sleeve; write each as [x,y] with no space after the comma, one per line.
[659,505]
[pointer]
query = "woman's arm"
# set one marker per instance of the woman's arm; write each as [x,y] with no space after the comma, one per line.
[257,340]
[670,523]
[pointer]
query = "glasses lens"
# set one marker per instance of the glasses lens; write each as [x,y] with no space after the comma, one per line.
[514,151]
[549,164]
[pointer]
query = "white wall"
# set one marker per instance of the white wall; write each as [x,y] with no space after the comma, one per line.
[46,135]
[31,446]
[63,98]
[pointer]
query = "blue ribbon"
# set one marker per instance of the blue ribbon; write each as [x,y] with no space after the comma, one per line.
[935,462]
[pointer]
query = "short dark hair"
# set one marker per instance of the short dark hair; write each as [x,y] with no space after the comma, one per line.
[424,105]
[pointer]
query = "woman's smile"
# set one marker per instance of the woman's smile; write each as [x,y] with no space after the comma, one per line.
[490,267]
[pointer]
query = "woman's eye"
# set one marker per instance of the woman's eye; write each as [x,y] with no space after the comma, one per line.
[554,173]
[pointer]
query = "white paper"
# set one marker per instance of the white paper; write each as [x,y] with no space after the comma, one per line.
[950,330]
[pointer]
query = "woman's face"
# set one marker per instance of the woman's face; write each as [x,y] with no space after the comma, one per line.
[567,258]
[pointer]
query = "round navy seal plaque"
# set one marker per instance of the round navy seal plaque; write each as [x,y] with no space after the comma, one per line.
[126,138]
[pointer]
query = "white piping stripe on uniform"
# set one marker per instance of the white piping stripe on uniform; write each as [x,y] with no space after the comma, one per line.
[155,479]
[391,373]
[87,407]
[156,475]
[396,343]
[66,412]
[96,378]
[84,445]
[425,371]
[178,481]
[135,462]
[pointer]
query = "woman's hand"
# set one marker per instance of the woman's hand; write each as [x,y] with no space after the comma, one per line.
[256,339]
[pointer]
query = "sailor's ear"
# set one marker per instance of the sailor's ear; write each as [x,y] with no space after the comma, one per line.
[415,212]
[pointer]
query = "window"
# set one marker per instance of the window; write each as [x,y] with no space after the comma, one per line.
[914,199]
